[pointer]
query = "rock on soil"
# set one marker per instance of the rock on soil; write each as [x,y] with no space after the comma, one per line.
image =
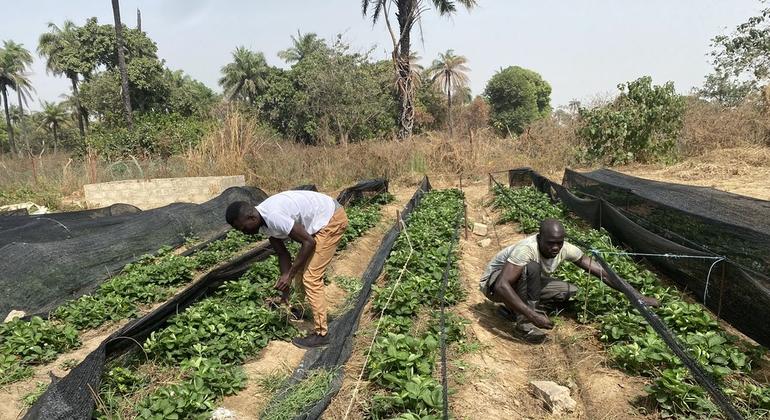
[556,397]
[480,229]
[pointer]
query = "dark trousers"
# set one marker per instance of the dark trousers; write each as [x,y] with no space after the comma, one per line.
[534,286]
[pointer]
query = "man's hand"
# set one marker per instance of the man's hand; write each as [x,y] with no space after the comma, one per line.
[650,301]
[283,283]
[541,321]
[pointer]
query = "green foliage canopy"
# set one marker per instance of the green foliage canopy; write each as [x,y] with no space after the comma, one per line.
[642,124]
[517,97]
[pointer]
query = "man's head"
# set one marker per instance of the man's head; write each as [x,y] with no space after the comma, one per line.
[244,217]
[550,238]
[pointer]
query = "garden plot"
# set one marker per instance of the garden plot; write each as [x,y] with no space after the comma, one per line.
[401,375]
[490,379]
[268,371]
[31,349]
[191,363]
[631,345]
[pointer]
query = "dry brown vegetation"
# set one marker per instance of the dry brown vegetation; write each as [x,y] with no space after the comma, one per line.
[239,145]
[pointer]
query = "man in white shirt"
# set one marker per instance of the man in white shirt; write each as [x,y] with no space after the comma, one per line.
[514,278]
[317,222]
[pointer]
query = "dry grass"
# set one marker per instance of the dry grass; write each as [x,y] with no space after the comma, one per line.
[239,145]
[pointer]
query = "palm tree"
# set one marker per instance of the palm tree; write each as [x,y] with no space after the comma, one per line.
[122,63]
[56,46]
[23,59]
[9,72]
[449,73]
[302,46]
[53,116]
[244,78]
[407,13]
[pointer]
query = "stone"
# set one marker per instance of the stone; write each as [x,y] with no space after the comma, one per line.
[484,242]
[222,413]
[14,314]
[555,396]
[480,229]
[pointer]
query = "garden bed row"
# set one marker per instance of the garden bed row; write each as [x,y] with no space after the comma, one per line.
[631,343]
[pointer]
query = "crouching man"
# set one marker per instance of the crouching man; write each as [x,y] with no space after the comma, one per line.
[518,278]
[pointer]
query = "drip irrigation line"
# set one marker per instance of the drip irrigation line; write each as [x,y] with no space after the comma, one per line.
[700,376]
[442,323]
[379,320]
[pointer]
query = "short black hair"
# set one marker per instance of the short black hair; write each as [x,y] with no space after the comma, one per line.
[237,210]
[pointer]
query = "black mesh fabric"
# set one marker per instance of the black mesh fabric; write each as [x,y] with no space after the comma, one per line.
[72,397]
[67,268]
[368,187]
[343,329]
[600,213]
[736,293]
[15,221]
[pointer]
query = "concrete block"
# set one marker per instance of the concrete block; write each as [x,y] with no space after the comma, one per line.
[485,242]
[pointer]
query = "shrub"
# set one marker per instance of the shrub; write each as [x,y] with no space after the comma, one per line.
[517,97]
[642,124]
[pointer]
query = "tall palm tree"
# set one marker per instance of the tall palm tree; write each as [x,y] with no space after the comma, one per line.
[122,63]
[244,78]
[449,73]
[9,72]
[302,46]
[23,59]
[56,45]
[53,116]
[408,12]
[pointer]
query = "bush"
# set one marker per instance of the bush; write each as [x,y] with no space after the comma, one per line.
[153,134]
[517,97]
[642,124]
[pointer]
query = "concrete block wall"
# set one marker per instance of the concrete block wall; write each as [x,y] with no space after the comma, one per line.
[149,194]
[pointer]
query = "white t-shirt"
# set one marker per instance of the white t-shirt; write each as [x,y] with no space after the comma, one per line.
[526,250]
[310,209]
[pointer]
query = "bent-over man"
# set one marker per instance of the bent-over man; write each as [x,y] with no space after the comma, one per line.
[518,278]
[317,222]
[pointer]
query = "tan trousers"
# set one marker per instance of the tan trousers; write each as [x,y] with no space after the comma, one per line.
[326,241]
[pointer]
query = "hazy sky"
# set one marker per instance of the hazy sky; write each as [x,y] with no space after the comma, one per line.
[583,48]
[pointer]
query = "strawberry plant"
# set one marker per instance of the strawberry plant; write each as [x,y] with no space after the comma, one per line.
[633,345]
[402,362]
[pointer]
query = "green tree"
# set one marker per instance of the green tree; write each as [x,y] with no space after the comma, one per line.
[449,73]
[23,60]
[407,13]
[122,63]
[517,97]
[642,124]
[244,78]
[12,75]
[62,50]
[302,46]
[741,61]
[52,117]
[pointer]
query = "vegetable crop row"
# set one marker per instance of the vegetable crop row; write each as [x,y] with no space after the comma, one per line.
[403,360]
[201,349]
[632,344]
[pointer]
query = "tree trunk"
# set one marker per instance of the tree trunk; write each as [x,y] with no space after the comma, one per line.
[449,100]
[8,126]
[405,15]
[78,107]
[122,63]
[22,124]
[55,137]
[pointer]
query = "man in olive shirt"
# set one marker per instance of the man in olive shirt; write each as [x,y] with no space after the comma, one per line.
[515,278]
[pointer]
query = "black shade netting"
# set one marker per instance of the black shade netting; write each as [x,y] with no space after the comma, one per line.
[21,219]
[342,330]
[363,189]
[72,397]
[600,214]
[38,276]
[738,294]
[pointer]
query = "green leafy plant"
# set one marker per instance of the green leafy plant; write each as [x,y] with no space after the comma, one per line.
[32,397]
